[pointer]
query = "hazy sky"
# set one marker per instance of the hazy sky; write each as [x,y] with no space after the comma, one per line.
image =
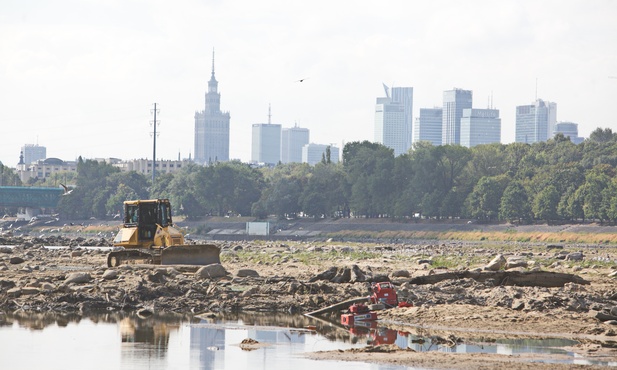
[80,77]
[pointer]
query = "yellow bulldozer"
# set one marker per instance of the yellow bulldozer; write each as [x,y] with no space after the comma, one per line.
[148,234]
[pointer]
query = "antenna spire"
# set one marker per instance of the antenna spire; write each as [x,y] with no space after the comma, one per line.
[269,113]
[386,89]
[212,61]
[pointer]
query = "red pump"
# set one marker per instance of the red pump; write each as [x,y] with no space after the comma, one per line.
[384,293]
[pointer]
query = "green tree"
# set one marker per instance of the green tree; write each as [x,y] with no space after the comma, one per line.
[283,186]
[282,197]
[451,162]
[425,183]
[92,190]
[325,192]
[406,201]
[515,203]
[545,204]
[123,186]
[514,154]
[183,190]
[227,187]
[161,189]
[486,160]
[596,181]
[485,199]
[369,171]
[249,184]
[115,203]
[600,135]
[609,204]
[8,177]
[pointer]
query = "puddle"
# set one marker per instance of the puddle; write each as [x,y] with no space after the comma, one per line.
[120,340]
[546,350]
[117,340]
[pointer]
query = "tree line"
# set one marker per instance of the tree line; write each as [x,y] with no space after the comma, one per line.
[552,181]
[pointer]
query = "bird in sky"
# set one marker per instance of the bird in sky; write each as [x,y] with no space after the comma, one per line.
[302,80]
[67,191]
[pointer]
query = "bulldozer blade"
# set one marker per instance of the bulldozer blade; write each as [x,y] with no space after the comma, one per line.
[199,254]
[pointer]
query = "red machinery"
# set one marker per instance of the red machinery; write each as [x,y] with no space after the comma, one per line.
[358,312]
[384,293]
[383,336]
[376,335]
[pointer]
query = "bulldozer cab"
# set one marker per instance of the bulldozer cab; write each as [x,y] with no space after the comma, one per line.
[146,215]
[149,235]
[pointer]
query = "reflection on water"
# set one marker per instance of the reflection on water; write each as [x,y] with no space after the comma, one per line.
[121,340]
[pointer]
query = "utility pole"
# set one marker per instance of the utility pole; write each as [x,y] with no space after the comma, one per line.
[154,123]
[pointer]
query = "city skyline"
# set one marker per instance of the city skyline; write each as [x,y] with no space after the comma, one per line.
[82,78]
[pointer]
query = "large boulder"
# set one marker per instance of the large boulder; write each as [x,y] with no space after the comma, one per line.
[514,262]
[343,276]
[357,275]
[77,278]
[215,270]
[16,260]
[401,273]
[575,256]
[326,275]
[110,274]
[496,263]
[246,273]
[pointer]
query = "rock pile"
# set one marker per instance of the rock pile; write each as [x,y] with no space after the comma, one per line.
[77,279]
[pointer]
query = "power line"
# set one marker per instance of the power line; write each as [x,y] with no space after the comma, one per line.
[154,123]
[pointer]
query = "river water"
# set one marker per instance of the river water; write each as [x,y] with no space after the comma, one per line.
[127,341]
[116,341]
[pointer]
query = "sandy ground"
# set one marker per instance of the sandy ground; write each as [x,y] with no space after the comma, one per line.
[466,311]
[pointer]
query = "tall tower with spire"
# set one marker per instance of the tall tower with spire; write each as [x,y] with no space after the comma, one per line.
[212,127]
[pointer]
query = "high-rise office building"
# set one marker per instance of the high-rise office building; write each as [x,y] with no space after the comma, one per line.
[568,129]
[454,101]
[266,147]
[428,126]
[480,126]
[393,119]
[314,153]
[293,139]
[535,122]
[33,153]
[212,127]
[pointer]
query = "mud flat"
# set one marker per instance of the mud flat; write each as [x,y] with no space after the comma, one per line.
[465,303]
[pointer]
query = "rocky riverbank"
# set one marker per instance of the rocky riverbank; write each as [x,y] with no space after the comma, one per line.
[301,277]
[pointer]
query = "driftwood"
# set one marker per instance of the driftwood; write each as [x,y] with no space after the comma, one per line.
[337,306]
[603,316]
[545,279]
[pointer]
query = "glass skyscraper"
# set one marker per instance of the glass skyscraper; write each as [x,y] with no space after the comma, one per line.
[393,119]
[293,139]
[568,129]
[535,122]
[266,146]
[480,126]
[454,101]
[428,126]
